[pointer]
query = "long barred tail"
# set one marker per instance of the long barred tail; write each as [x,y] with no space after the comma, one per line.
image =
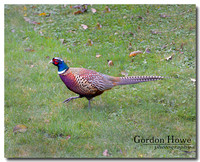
[137,79]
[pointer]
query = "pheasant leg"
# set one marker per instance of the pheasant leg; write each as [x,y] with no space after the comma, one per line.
[89,106]
[71,98]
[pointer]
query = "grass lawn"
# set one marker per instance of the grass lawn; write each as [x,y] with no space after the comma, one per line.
[34,91]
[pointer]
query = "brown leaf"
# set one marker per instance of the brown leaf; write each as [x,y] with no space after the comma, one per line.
[42,14]
[182,44]
[41,33]
[97,56]
[110,63]
[68,137]
[131,33]
[99,26]
[90,43]
[29,50]
[31,22]
[62,41]
[34,22]
[84,26]
[125,17]
[93,10]
[82,7]
[107,9]
[25,8]
[46,121]
[140,17]
[83,10]
[27,19]
[20,128]
[77,6]
[169,58]
[134,53]
[71,31]
[130,46]
[105,153]
[164,46]
[193,80]
[147,12]
[164,15]
[156,32]
[147,50]
[78,12]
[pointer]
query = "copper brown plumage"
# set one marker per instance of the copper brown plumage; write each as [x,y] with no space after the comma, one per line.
[89,83]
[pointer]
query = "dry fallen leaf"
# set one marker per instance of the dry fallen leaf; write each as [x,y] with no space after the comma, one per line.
[25,8]
[193,80]
[90,43]
[82,7]
[62,41]
[147,12]
[34,22]
[41,33]
[134,53]
[77,12]
[130,46]
[29,50]
[164,46]
[140,17]
[42,14]
[110,63]
[46,121]
[131,33]
[77,6]
[93,10]
[84,26]
[27,19]
[182,44]
[147,50]
[99,26]
[97,56]
[156,32]
[105,153]
[68,137]
[164,15]
[71,31]
[20,128]
[169,58]
[181,52]
[31,22]
[107,9]
[124,17]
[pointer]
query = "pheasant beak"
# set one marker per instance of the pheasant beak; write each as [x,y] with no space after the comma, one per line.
[50,61]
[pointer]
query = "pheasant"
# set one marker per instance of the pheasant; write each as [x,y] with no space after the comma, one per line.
[88,83]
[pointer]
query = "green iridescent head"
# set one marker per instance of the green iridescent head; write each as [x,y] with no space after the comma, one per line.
[62,66]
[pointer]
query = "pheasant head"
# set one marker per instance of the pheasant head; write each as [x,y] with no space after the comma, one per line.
[62,66]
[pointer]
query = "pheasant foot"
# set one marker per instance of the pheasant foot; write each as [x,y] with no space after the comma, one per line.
[71,98]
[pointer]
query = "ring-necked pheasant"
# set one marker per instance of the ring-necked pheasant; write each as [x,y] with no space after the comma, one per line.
[88,83]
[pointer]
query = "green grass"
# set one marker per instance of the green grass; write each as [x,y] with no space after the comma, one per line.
[34,92]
